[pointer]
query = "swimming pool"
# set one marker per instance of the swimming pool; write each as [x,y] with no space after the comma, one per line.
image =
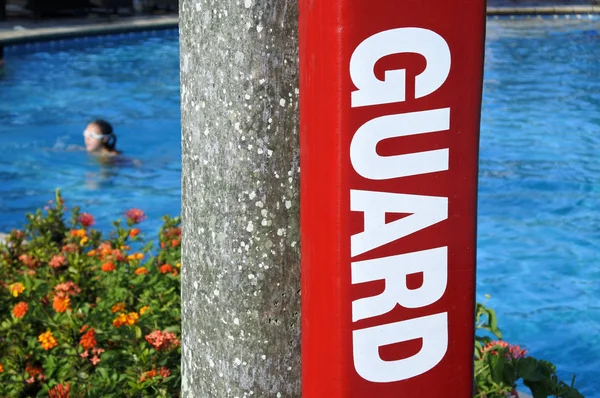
[46,99]
[539,204]
[539,192]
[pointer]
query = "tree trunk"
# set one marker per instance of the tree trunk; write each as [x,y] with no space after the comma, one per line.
[240,198]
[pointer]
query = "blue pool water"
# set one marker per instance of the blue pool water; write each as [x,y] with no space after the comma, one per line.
[46,99]
[539,203]
[539,192]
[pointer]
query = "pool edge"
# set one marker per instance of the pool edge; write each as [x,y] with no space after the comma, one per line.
[99,29]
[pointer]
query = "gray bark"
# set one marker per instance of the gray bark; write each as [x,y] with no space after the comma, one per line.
[240,198]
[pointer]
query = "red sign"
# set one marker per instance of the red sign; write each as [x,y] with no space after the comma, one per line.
[390,106]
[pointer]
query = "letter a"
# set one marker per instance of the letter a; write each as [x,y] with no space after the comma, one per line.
[425,211]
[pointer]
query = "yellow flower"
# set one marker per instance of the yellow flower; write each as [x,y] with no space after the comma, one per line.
[83,241]
[80,233]
[135,256]
[129,319]
[16,289]
[132,318]
[144,309]
[178,265]
[47,340]
[120,320]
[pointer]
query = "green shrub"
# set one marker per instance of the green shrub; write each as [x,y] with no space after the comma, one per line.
[83,315]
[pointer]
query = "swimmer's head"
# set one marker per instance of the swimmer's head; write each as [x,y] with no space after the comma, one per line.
[99,137]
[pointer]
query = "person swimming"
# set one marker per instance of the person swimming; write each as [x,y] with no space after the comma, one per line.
[100,138]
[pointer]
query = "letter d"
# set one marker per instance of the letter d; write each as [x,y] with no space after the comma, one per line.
[431,329]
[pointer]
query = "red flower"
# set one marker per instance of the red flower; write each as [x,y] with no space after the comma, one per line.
[136,216]
[514,351]
[60,391]
[67,289]
[58,261]
[118,255]
[162,340]
[70,248]
[33,371]
[175,243]
[28,260]
[86,219]
[164,372]
[20,309]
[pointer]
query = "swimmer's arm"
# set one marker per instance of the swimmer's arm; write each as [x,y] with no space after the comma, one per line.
[74,148]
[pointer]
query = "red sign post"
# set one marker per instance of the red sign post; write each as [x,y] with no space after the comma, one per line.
[389,118]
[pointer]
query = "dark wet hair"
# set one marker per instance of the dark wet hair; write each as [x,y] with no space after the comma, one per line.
[106,129]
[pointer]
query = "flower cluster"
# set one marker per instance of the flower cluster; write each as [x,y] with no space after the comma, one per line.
[126,319]
[511,351]
[47,340]
[161,340]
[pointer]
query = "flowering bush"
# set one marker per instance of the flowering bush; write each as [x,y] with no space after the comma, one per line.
[500,365]
[83,315]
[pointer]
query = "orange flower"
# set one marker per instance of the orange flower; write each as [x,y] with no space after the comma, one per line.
[92,253]
[175,243]
[126,319]
[141,271]
[61,304]
[86,219]
[144,309]
[162,245]
[125,247]
[88,340]
[78,232]
[20,309]
[58,261]
[166,268]
[120,320]
[16,289]
[135,216]
[135,256]
[60,391]
[1,368]
[134,232]
[83,328]
[132,318]
[148,375]
[47,340]
[119,307]
[108,267]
